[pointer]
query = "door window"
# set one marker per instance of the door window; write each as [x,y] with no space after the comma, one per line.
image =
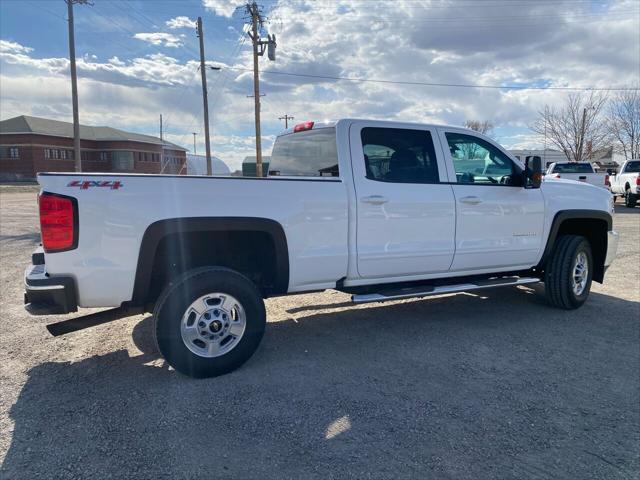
[399,155]
[478,162]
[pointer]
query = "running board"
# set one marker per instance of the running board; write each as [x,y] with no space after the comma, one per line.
[426,290]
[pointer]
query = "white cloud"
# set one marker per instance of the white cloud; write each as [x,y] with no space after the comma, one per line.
[150,71]
[13,47]
[180,22]
[223,8]
[159,38]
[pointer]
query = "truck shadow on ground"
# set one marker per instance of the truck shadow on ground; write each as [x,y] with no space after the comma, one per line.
[471,386]
[621,210]
[30,237]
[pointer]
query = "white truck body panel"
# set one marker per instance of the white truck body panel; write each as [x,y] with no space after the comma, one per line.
[112,223]
[334,234]
[496,226]
[402,229]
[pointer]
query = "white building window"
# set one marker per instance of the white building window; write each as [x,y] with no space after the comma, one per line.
[47,153]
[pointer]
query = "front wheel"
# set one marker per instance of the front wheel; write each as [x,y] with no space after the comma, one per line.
[209,322]
[568,272]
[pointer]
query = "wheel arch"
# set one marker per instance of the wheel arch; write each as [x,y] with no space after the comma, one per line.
[177,231]
[592,224]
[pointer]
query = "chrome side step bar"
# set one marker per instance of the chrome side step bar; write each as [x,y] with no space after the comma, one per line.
[427,290]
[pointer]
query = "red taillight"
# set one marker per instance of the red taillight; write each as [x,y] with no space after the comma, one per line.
[638,180]
[301,127]
[607,183]
[58,222]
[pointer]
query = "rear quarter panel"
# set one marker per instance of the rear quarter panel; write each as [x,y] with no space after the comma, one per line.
[313,214]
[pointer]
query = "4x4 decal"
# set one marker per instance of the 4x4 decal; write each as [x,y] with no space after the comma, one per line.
[86,184]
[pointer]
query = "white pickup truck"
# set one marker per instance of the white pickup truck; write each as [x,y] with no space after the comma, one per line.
[380,210]
[626,183]
[578,171]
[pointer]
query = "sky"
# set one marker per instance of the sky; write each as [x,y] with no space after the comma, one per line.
[138,59]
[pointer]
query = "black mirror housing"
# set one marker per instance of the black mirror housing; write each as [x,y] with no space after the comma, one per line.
[533,172]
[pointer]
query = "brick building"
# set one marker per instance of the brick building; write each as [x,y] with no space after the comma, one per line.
[29,145]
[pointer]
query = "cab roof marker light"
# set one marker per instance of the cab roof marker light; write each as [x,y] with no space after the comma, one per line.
[301,127]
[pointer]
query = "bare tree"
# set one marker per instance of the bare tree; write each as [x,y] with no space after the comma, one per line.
[577,128]
[484,127]
[624,123]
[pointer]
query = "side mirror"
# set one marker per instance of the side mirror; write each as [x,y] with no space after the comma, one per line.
[533,172]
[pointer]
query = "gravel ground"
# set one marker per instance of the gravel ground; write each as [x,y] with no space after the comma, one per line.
[494,385]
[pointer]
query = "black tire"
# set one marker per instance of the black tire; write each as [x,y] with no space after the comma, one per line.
[630,200]
[559,272]
[178,296]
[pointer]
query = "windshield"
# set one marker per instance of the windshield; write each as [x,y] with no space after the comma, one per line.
[573,168]
[311,153]
[632,167]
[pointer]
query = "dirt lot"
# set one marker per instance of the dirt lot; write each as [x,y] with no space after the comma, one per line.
[495,385]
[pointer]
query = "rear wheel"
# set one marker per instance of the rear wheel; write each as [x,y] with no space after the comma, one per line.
[209,322]
[569,272]
[630,199]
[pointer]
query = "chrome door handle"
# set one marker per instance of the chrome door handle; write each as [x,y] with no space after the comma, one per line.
[374,199]
[470,200]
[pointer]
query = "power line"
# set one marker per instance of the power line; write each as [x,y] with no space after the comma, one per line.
[50,12]
[433,84]
[467,22]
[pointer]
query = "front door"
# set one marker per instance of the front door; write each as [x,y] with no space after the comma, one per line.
[499,223]
[405,215]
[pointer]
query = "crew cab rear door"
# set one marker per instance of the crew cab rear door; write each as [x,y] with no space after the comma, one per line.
[499,223]
[405,215]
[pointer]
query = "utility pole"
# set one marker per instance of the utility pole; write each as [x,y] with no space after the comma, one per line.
[582,132]
[286,119]
[161,147]
[544,153]
[194,143]
[74,85]
[205,100]
[253,11]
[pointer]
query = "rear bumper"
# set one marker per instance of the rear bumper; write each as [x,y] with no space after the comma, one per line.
[46,295]
[612,247]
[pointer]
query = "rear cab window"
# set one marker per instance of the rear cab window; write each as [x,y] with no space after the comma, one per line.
[573,167]
[632,167]
[309,153]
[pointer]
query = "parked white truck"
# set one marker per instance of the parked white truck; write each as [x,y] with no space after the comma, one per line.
[578,171]
[381,210]
[626,183]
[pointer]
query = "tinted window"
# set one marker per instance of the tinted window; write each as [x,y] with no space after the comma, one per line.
[573,168]
[399,155]
[632,167]
[477,161]
[311,154]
